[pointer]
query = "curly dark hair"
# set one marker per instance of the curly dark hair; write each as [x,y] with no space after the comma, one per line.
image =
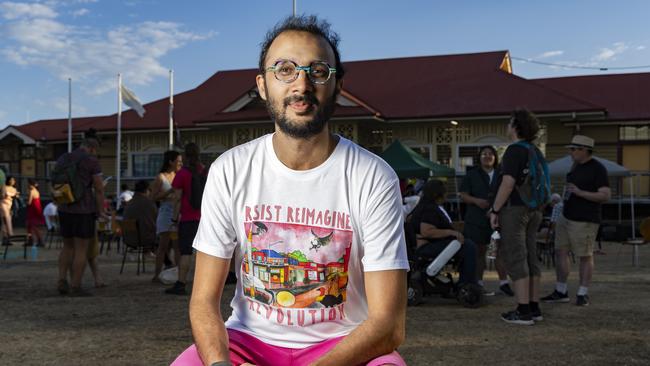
[525,123]
[303,23]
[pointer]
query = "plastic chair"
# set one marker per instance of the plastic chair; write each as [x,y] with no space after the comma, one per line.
[645,233]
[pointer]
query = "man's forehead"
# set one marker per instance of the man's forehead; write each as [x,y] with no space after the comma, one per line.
[293,44]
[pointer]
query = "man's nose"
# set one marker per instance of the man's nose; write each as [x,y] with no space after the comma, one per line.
[302,82]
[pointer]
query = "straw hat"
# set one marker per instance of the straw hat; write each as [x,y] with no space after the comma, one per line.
[581,141]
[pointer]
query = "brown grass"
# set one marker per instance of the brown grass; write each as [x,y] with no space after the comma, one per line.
[131,322]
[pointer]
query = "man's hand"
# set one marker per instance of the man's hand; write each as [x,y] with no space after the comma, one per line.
[494,220]
[573,189]
[385,327]
[459,236]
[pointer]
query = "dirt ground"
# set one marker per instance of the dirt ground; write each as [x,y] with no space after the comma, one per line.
[131,322]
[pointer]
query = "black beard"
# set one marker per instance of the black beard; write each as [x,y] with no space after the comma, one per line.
[312,127]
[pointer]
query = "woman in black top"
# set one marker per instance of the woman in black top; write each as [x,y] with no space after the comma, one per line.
[433,229]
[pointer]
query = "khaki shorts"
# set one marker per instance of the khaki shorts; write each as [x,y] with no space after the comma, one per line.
[578,236]
[518,245]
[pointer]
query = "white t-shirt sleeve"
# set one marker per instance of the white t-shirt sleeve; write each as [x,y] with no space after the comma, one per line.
[216,235]
[384,245]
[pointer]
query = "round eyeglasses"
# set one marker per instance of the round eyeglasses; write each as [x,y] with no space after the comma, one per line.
[287,71]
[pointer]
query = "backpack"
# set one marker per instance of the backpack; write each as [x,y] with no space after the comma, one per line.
[535,191]
[198,184]
[66,185]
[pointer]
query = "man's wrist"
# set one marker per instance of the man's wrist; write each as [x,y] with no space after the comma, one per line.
[494,210]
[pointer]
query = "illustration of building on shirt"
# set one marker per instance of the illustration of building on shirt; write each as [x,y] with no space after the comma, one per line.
[295,266]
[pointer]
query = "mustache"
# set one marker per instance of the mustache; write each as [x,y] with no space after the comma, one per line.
[308,97]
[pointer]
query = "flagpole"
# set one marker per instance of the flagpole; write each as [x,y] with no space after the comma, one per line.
[171,109]
[118,173]
[69,114]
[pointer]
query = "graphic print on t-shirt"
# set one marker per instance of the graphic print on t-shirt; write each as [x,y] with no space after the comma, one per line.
[297,264]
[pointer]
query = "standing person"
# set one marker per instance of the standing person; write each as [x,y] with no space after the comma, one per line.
[188,221]
[35,216]
[476,191]
[312,221]
[587,188]
[3,179]
[77,219]
[162,192]
[92,254]
[10,193]
[518,222]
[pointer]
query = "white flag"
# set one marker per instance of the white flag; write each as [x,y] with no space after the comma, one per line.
[129,98]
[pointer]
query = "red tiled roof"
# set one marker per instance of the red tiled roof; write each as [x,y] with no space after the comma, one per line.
[215,94]
[624,96]
[451,85]
[393,89]
[52,129]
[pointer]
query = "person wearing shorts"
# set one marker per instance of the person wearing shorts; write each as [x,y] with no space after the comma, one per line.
[518,222]
[587,188]
[77,219]
[185,215]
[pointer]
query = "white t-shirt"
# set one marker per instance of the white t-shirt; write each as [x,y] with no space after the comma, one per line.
[309,235]
[125,197]
[49,211]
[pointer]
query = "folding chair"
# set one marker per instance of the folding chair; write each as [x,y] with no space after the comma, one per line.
[133,243]
[546,245]
[53,236]
[13,239]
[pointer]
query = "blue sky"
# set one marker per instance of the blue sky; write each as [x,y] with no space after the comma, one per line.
[42,43]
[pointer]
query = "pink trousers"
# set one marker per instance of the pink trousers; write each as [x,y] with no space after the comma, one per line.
[246,348]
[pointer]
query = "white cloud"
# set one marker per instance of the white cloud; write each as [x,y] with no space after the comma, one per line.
[92,57]
[640,48]
[11,10]
[606,54]
[80,12]
[61,104]
[548,54]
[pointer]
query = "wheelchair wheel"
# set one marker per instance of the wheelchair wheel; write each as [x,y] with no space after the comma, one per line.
[415,293]
[470,295]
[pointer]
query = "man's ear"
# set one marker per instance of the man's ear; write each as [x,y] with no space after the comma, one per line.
[339,86]
[261,86]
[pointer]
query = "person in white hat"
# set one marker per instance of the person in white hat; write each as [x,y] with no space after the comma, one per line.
[586,189]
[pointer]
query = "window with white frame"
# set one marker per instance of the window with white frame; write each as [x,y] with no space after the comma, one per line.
[467,154]
[49,168]
[146,164]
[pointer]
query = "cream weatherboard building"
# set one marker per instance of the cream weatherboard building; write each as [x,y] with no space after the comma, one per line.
[444,107]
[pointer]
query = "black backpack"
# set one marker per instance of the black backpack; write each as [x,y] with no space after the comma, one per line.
[66,184]
[198,184]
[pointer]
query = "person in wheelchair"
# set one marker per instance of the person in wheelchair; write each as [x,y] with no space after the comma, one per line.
[429,228]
